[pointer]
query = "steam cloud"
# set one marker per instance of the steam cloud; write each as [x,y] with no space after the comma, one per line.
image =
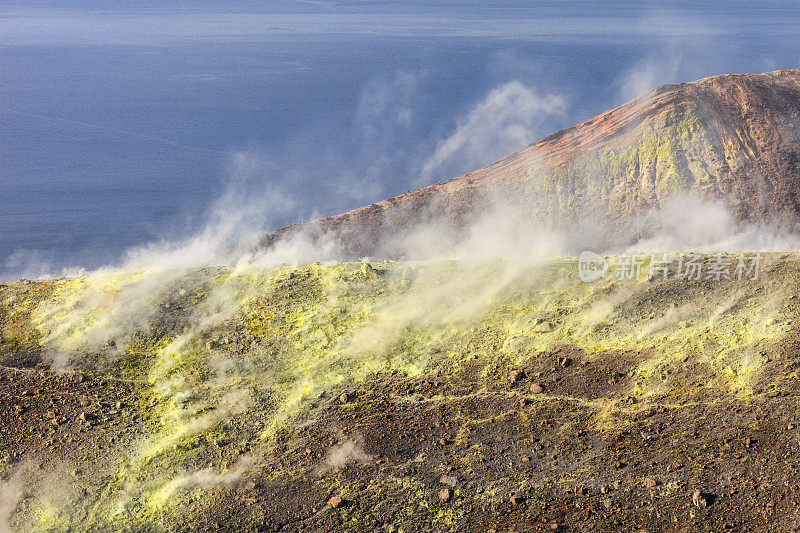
[11,492]
[206,477]
[349,451]
[509,118]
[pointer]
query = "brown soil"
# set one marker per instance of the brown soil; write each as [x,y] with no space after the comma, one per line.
[494,438]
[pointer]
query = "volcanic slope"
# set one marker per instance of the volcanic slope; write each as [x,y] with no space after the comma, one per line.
[734,138]
[401,396]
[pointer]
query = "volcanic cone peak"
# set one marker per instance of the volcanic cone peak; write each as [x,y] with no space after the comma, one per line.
[733,138]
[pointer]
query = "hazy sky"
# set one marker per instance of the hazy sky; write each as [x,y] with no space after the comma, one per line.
[122,126]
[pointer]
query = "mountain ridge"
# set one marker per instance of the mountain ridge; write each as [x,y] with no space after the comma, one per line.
[730,137]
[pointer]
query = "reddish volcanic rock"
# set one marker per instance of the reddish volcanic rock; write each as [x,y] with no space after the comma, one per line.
[734,138]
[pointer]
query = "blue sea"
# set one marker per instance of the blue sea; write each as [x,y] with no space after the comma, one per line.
[121,126]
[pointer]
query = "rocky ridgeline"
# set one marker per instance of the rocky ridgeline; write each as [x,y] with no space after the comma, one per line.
[734,138]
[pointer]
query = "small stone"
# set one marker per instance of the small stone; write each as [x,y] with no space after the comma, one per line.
[368,271]
[516,498]
[604,489]
[554,526]
[445,495]
[515,375]
[335,502]
[536,388]
[650,482]
[344,398]
[699,499]
[442,442]
[542,326]
[450,481]
[523,402]
[565,362]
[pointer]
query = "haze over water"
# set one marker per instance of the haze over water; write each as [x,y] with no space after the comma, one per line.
[120,127]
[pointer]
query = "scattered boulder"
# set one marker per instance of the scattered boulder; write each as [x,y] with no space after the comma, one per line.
[536,388]
[368,271]
[335,502]
[515,375]
[450,481]
[542,326]
[445,495]
[700,499]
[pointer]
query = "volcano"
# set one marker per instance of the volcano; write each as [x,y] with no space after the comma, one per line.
[733,138]
[439,395]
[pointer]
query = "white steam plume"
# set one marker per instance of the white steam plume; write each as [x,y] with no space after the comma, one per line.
[509,118]
[206,477]
[649,73]
[348,451]
[11,492]
[686,223]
